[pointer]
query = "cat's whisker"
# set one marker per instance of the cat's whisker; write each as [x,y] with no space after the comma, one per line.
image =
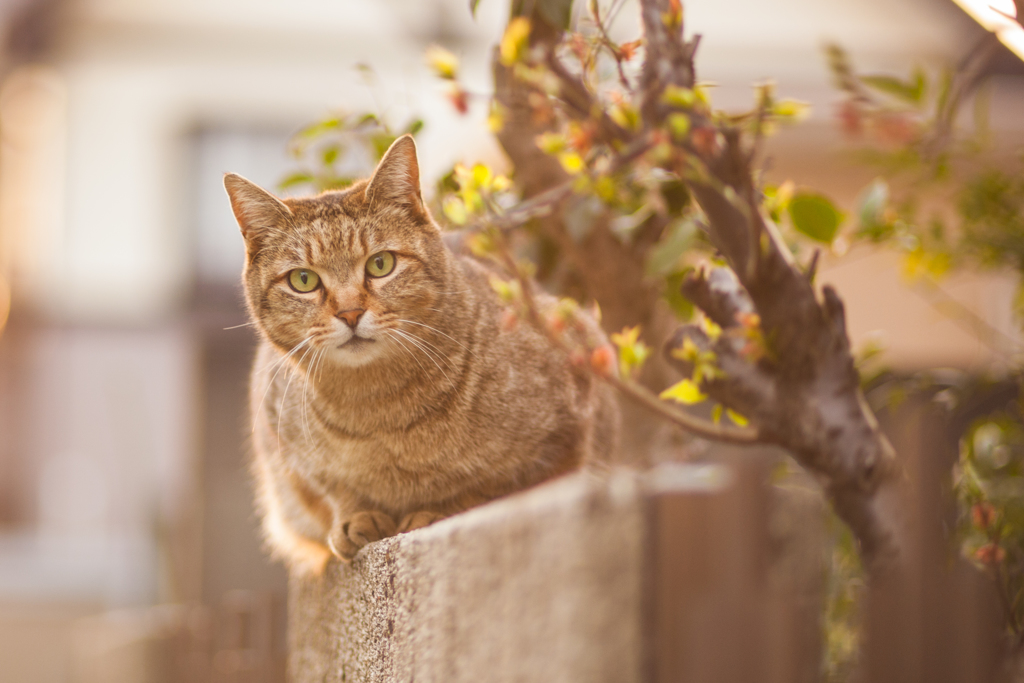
[437,351]
[413,322]
[317,366]
[284,396]
[416,342]
[235,327]
[305,388]
[320,366]
[406,349]
[280,362]
[416,345]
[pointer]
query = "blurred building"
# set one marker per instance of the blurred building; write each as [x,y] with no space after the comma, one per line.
[123,370]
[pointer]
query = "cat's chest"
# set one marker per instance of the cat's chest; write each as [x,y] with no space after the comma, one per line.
[361,454]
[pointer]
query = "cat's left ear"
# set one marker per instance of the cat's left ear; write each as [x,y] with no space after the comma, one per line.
[257,211]
[397,177]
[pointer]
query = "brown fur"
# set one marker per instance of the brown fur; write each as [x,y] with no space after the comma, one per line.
[440,409]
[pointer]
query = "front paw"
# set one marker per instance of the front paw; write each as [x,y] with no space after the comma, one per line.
[352,533]
[418,520]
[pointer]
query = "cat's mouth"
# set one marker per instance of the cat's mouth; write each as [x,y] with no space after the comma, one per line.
[355,342]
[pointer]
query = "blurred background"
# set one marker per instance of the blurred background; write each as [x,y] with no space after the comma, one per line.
[125,508]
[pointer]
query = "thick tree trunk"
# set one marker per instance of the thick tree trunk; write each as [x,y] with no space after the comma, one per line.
[802,391]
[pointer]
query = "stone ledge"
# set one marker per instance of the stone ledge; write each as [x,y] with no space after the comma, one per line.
[552,584]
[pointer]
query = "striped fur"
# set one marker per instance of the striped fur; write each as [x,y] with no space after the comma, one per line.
[432,407]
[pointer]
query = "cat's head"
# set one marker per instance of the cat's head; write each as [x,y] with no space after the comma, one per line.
[341,273]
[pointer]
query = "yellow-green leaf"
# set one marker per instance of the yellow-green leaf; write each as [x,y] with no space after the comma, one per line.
[482,176]
[571,162]
[551,143]
[496,118]
[515,41]
[794,110]
[679,124]
[678,97]
[737,418]
[815,216]
[684,392]
[455,210]
[443,62]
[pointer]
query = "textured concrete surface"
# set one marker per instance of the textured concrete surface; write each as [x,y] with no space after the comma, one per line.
[518,590]
[547,585]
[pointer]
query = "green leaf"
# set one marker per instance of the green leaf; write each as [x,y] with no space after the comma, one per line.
[793,110]
[320,127]
[684,392]
[297,178]
[675,241]
[680,305]
[472,7]
[679,124]
[909,91]
[872,207]
[632,351]
[677,96]
[444,63]
[515,41]
[330,154]
[815,216]
[366,119]
[455,210]
[415,126]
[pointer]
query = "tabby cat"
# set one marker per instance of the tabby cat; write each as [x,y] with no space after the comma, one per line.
[386,394]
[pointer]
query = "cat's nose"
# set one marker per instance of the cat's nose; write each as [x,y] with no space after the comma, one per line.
[351,316]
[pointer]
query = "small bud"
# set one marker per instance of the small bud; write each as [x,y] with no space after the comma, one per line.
[705,141]
[990,554]
[556,323]
[983,515]
[602,360]
[458,97]
[628,50]
[578,44]
[851,119]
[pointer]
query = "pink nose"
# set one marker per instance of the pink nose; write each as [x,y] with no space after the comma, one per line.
[351,316]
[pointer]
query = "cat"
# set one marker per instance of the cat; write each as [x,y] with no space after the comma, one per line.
[386,392]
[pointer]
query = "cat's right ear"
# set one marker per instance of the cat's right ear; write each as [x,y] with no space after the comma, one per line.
[257,211]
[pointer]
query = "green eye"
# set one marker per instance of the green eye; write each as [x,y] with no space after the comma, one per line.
[303,280]
[380,264]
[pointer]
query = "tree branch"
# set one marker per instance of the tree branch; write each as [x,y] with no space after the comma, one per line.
[803,392]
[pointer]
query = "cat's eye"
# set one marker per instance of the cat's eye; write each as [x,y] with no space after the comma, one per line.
[380,264]
[303,280]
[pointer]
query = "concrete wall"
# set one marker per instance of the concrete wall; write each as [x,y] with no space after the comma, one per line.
[576,580]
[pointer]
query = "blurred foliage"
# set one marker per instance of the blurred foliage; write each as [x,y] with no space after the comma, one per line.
[335,152]
[907,129]
[989,482]
[642,196]
[844,585]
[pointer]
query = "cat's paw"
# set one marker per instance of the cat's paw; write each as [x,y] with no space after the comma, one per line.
[361,528]
[418,520]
